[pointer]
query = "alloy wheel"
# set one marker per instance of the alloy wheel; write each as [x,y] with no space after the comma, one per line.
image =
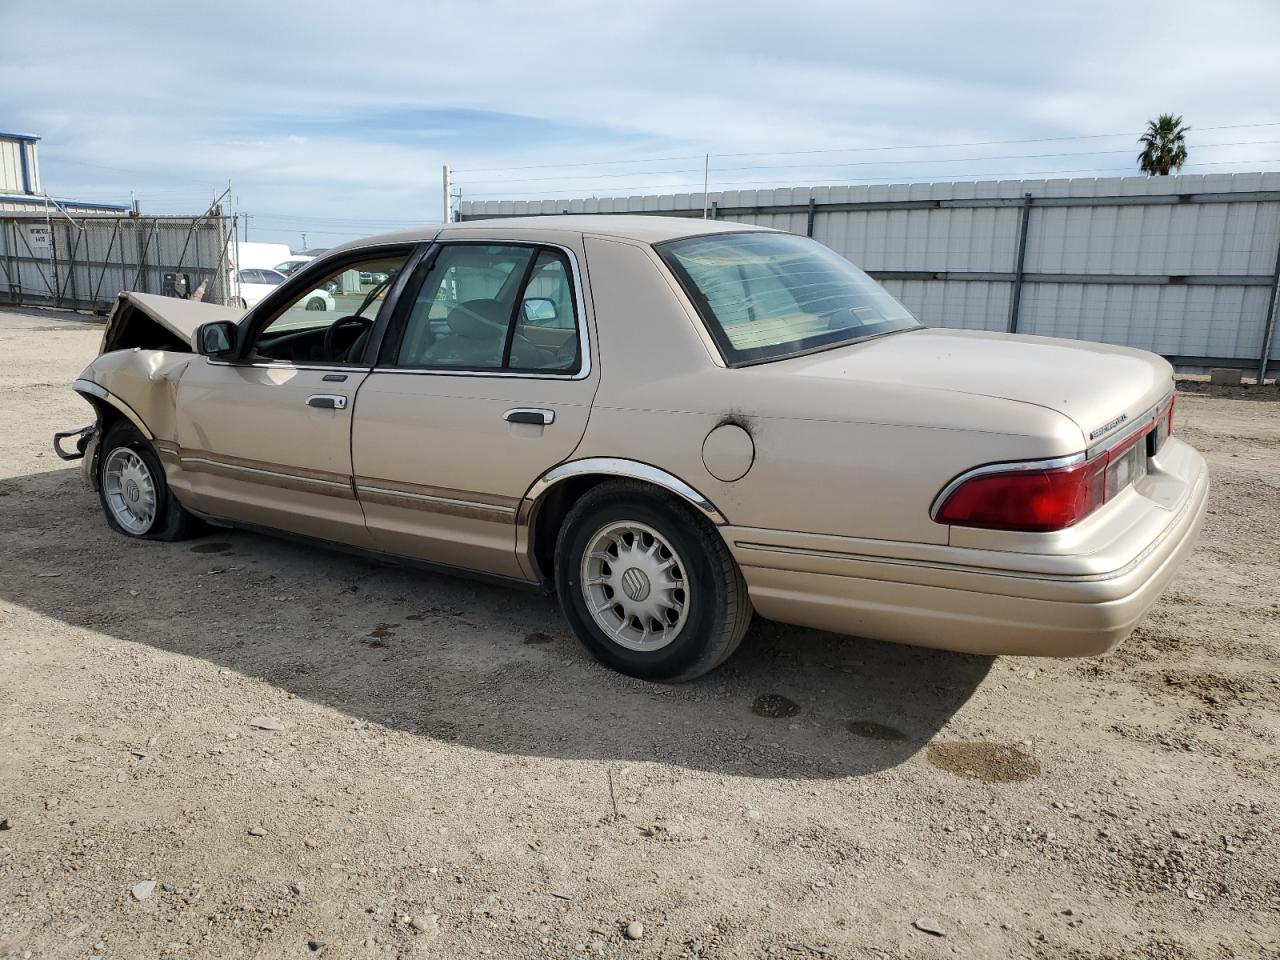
[130,490]
[634,586]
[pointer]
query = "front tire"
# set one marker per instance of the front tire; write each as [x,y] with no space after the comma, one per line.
[648,585]
[135,497]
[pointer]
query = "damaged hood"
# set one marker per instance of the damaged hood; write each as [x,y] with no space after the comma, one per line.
[153,322]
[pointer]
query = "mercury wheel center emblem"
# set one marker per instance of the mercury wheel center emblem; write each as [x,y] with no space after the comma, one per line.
[635,584]
[131,491]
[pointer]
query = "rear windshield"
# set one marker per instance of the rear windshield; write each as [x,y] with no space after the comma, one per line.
[765,296]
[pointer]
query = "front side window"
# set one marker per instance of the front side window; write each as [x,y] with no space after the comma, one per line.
[329,321]
[765,296]
[494,307]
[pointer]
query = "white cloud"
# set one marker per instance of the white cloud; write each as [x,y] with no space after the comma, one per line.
[346,112]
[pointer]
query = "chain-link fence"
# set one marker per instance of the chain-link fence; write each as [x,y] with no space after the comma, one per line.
[82,263]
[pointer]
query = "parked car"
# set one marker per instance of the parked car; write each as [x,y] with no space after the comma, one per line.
[669,423]
[288,267]
[255,284]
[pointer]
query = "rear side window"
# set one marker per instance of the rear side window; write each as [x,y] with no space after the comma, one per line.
[765,296]
[494,307]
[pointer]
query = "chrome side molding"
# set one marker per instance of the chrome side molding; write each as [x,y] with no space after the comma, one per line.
[619,467]
[527,515]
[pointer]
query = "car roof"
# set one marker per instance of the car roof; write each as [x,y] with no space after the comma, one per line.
[642,227]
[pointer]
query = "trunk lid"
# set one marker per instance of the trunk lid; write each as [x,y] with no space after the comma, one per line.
[1100,387]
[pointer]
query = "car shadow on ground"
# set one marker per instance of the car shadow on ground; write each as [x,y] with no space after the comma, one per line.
[456,660]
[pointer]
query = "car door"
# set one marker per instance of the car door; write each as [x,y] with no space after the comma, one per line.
[485,381]
[266,439]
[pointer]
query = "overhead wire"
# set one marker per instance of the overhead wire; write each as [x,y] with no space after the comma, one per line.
[721,183]
[825,150]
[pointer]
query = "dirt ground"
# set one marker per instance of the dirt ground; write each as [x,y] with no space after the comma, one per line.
[445,773]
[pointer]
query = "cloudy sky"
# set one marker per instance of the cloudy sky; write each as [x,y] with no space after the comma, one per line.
[335,119]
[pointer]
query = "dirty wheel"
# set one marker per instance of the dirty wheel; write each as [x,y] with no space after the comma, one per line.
[648,585]
[317,303]
[132,488]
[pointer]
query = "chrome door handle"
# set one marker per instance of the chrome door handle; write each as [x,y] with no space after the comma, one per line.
[531,415]
[327,401]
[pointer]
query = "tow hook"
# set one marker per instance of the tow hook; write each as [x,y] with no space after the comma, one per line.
[83,436]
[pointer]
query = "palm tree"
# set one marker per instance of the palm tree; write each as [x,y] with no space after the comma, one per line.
[1164,146]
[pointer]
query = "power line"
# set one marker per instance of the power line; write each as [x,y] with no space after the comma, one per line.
[869,163]
[303,218]
[985,143]
[786,153]
[721,184]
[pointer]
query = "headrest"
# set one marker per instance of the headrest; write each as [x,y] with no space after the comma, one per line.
[478,319]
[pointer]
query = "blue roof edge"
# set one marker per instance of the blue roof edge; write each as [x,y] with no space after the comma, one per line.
[37,199]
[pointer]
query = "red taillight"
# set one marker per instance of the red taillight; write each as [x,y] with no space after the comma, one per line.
[1164,426]
[1031,500]
[1038,497]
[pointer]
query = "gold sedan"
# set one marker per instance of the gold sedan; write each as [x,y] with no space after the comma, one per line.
[670,423]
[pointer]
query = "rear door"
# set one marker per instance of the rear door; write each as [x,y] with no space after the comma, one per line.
[484,383]
[267,439]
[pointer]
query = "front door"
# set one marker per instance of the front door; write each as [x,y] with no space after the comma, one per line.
[268,440]
[485,385]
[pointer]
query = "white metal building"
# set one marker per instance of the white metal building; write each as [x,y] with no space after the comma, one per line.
[20,187]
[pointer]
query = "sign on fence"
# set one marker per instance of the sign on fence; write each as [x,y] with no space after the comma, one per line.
[39,239]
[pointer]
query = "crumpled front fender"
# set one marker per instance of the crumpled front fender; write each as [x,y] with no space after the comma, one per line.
[140,384]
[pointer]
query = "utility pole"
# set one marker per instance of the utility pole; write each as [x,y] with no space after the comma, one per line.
[447,195]
[706,176]
[246,228]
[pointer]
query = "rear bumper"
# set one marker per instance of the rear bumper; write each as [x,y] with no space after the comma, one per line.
[939,598]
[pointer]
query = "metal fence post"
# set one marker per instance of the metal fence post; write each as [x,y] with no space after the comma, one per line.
[1268,336]
[1015,301]
[813,210]
[106,262]
[71,266]
[4,263]
[17,267]
[140,280]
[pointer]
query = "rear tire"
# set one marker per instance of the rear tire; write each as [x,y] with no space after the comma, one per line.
[135,496]
[648,585]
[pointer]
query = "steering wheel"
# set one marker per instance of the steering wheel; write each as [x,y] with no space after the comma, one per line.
[342,323]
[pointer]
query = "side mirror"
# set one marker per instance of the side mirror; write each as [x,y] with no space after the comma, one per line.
[539,310]
[216,339]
